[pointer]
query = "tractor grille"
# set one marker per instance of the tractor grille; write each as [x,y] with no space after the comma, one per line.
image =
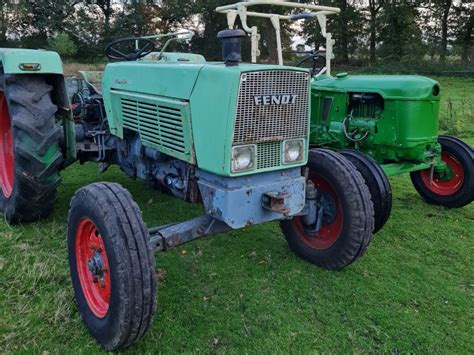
[267,125]
[157,124]
[268,155]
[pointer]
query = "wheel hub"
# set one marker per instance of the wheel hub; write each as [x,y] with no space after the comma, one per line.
[326,213]
[328,205]
[446,182]
[96,265]
[329,217]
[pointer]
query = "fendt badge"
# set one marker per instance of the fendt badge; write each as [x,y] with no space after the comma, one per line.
[267,100]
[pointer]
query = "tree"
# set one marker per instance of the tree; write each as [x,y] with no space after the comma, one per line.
[346,28]
[464,21]
[62,44]
[445,8]
[35,21]
[6,10]
[373,8]
[400,34]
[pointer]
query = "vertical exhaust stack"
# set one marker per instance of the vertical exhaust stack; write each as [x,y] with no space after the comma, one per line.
[231,46]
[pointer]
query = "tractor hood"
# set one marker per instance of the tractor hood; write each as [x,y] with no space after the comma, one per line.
[189,111]
[395,87]
[172,80]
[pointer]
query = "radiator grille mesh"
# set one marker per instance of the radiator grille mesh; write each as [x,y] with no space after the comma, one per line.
[268,155]
[269,125]
[263,123]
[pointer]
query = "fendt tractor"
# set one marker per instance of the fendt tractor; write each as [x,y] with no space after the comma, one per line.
[232,137]
[385,125]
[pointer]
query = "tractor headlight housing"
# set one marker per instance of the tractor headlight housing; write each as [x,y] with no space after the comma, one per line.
[243,158]
[293,151]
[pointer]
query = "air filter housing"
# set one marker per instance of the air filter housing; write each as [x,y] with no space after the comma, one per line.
[231,46]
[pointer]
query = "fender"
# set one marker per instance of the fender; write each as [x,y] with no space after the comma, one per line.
[49,64]
[29,61]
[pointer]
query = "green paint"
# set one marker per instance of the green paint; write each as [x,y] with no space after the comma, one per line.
[163,124]
[394,87]
[171,57]
[205,95]
[400,127]
[11,60]
[403,168]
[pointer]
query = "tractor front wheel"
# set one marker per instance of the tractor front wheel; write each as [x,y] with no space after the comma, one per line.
[377,182]
[30,157]
[454,187]
[345,211]
[112,265]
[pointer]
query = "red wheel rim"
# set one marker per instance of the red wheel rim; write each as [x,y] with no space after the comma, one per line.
[442,186]
[7,161]
[329,233]
[93,267]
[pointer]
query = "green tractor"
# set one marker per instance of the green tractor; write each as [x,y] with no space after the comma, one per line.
[232,137]
[385,125]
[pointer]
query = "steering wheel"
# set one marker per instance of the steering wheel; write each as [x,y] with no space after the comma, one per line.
[318,62]
[146,46]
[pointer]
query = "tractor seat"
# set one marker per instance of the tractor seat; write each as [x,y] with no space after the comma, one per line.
[93,80]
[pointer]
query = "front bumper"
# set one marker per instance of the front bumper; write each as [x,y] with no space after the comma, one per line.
[240,201]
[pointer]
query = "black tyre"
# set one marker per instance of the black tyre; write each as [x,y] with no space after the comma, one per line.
[455,188]
[30,158]
[112,264]
[348,214]
[378,184]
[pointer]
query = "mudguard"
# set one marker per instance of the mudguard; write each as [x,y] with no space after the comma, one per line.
[14,61]
[29,61]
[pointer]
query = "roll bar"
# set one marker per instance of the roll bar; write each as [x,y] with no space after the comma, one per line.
[240,9]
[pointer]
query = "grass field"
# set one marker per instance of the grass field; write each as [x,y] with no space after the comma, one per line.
[245,292]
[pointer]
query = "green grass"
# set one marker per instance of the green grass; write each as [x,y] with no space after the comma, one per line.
[245,292]
[457,106]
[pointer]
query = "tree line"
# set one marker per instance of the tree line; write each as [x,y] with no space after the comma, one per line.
[366,31]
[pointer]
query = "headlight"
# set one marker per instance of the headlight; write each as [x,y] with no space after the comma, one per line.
[293,151]
[243,158]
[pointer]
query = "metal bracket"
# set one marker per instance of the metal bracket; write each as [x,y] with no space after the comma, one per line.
[171,235]
[275,201]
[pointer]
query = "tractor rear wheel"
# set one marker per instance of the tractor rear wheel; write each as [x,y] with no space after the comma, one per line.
[378,184]
[30,158]
[454,188]
[112,265]
[347,214]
